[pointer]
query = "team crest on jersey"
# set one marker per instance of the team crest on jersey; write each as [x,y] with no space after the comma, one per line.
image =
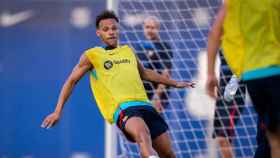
[108,64]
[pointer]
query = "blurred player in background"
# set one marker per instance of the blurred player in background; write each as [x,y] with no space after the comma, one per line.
[227,113]
[155,54]
[116,81]
[225,117]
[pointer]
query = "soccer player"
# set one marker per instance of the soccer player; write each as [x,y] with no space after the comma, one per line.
[226,113]
[224,118]
[116,79]
[259,64]
[155,54]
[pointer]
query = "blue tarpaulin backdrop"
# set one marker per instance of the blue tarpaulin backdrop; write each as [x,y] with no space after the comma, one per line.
[40,42]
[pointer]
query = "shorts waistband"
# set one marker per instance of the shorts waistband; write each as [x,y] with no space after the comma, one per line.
[261,73]
[126,105]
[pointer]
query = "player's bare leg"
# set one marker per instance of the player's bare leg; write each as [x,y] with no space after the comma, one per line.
[139,131]
[225,147]
[274,140]
[162,145]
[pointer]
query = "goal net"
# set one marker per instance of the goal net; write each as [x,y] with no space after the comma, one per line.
[184,25]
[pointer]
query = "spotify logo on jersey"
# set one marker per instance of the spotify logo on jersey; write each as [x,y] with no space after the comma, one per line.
[108,64]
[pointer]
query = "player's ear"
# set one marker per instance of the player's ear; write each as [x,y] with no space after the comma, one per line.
[98,32]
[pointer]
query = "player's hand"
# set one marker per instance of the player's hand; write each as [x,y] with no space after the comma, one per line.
[212,86]
[185,84]
[50,120]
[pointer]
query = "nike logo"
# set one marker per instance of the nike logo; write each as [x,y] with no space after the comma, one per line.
[8,19]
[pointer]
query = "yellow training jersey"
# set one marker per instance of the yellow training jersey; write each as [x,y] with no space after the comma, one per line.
[251,39]
[260,26]
[232,41]
[115,78]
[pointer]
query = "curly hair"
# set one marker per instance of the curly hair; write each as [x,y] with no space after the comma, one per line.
[107,14]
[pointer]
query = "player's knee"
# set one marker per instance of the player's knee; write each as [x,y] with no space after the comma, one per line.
[167,154]
[274,139]
[223,141]
[143,134]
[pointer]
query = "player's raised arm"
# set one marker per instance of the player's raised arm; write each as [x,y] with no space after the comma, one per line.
[150,75]
[77,73]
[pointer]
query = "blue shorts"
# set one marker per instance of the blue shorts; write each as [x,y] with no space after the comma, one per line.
[265,95]
[151,117]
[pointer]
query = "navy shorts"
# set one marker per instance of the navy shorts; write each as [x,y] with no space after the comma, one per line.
[265,95]
[263,147]
[227,113]
[151,117]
